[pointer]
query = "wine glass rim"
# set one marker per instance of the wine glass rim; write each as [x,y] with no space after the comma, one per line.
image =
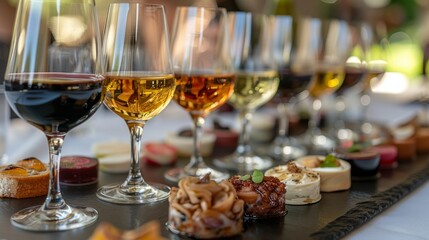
[202,8]
[63,3]
[151,5]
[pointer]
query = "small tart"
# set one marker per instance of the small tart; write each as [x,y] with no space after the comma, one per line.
[27,178]
[364,163]
[331,178]
[302,184]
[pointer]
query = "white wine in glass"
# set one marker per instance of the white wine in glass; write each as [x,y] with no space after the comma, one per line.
[256,84]
[139,85]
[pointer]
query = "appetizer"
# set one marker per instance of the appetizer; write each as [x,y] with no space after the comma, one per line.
[148,231]
[364,161]
[302,184]
[203,208]
[78,170]
[263,196]
[27,178]
[334,173]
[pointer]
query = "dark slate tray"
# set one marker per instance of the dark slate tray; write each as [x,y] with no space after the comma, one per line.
[336,215]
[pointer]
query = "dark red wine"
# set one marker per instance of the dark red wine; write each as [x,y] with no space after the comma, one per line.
[351,78]
[292,84]
[54,102]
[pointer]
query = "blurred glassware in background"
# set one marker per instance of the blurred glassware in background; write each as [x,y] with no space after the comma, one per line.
[256,82]
[333,47]
[376,55]
[294,50]
[355,71]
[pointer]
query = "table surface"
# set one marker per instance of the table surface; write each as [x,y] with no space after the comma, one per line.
[301,222]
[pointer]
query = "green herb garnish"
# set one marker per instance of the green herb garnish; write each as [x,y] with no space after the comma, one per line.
[257,176]
[330,161]
[355,148]
[245,177]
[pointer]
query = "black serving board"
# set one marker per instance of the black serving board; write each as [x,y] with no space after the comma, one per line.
[336,215]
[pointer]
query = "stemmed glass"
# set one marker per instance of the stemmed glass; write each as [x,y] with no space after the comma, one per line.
[295,53]
[376,50]
[355,71]
[204,75]
[329,75]
[257,82]
[54,81]
[139,85]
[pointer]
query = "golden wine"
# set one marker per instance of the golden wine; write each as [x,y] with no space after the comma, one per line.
[138,97]
[202,94]
[252,90]
[325,82]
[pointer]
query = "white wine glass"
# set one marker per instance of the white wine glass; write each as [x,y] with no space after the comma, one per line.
[54,82]
[256,83]
[139,85]
[334,48]
[204,75]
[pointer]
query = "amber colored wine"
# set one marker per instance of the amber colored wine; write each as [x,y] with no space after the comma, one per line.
[352,77]
[325,82]
[54,102]
[371,76]
[202,94]
[138,97]
[252,90]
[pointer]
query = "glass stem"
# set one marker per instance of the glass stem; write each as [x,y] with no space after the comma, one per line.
[134,182]
[54,201]
[196,158]
[365,100]
[243,148]
[340,108]
[283,122]
[314,122]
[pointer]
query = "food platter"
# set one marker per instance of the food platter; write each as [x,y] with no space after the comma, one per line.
[336,215]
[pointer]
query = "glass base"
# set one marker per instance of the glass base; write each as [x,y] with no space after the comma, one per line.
[286,149]
[319,144]
[152,193]
[34,219]
[244,164]
[175,174]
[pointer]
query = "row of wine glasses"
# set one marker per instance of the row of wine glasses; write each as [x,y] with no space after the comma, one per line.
[58,75]
[57,78]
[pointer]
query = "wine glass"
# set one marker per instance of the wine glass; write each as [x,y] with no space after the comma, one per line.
[295,53]
[328,77]
[54,82]
[139,85]
[204,75]
[375,45]
[256,83]
[355,71]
